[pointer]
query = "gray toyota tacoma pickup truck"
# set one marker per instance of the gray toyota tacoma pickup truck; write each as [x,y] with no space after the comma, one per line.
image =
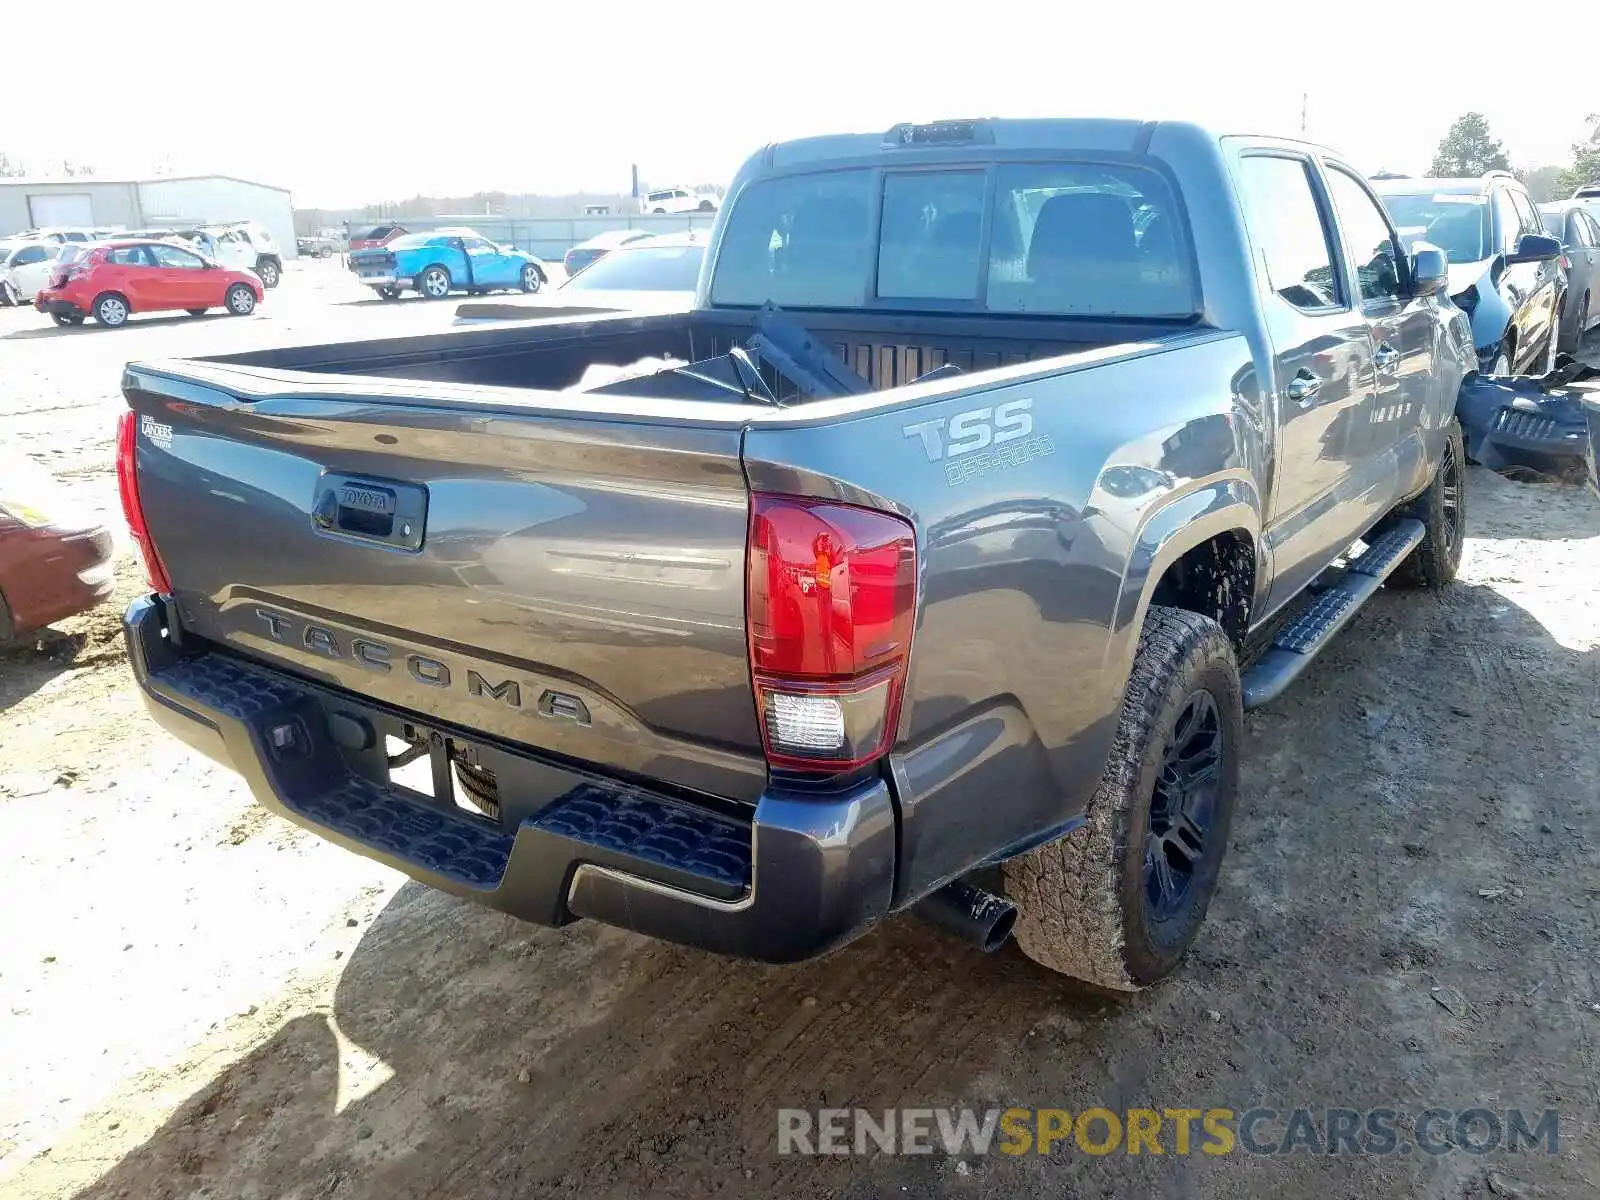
[928,563]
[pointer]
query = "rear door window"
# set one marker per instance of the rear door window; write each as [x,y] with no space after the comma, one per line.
[1286,225]
[171,256]
[1367,235]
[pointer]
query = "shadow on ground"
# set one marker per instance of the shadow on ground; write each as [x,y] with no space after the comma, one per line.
[1417,817]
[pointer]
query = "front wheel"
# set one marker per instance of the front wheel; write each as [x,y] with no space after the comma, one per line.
[197,312]
[1442,509]
[9,296]
[1118,901]
[325,252]
[435,283]
[240,300]
[532,280]
[268,270]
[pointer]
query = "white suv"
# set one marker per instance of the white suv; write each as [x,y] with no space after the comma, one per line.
[246,246]
[678,200]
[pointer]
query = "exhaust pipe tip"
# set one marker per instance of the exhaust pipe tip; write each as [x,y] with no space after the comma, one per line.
[969,912]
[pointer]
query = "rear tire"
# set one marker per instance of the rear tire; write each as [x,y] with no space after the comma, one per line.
[110,309]
[325,252]
[532,278]
[197,312]
[240,300]
[269,271]
[1118,901]
[64,320]
[388,293]
[1442,509]
[434,283]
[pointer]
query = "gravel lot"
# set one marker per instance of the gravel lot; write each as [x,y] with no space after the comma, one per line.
[202,1001]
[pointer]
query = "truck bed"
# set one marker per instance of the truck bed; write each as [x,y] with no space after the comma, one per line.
[886,350]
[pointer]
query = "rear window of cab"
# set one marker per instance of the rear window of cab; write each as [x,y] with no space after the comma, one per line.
[1054,238]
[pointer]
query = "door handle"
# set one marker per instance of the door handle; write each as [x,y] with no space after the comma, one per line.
[1385,357]
[1303,388]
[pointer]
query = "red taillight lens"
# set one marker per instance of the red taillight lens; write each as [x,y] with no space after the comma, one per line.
[831,597]
[132,509]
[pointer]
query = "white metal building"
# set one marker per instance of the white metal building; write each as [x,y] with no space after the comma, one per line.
[167,202]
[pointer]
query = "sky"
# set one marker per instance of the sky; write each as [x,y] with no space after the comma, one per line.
[350,104]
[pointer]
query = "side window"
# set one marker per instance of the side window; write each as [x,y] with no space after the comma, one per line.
[171,256]
[1507,220]
[1526,216]
[128,256]
[33,254]
[1287,226]
[1586,230]
[1367,233]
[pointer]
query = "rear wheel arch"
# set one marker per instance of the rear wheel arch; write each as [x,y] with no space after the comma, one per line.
[1215,578]
[1182,526]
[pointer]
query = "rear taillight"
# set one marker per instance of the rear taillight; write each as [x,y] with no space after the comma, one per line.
[831,598]
[132,509]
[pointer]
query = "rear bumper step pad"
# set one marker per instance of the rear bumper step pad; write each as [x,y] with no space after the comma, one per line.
[804,875]
[1327,612]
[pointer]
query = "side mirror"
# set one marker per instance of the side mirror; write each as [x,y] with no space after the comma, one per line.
[1430,269]
[1535,247]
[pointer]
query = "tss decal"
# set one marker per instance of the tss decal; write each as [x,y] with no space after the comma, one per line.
[974,429]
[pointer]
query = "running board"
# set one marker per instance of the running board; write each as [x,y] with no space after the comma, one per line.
[1327,612]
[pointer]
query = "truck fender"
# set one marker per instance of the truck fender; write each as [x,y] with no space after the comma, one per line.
[1168,532]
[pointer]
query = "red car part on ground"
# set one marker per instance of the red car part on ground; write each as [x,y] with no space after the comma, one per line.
[110,282]
[53,562]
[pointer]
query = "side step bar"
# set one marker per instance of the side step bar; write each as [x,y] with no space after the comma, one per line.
[1315,625]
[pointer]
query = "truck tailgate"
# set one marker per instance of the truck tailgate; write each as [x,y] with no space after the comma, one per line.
[568,582]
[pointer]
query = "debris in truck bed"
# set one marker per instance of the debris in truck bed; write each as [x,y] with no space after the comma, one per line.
[723,377]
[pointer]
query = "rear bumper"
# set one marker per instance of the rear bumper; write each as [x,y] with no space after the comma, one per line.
[798,877]
[1517,422]
[402,281]
[58,306]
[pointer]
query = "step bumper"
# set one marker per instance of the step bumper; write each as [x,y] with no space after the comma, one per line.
[799,876]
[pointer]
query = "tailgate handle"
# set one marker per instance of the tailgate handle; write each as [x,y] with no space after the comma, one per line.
[371,510]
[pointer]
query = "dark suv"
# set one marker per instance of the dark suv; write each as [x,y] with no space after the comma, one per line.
[1505,270]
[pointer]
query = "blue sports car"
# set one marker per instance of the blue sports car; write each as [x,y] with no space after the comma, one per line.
[444,261]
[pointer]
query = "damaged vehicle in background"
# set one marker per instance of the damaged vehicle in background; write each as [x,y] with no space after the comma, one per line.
[55,559]
[446,260]
[1505,270]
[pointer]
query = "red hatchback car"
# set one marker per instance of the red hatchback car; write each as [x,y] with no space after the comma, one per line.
[112,280]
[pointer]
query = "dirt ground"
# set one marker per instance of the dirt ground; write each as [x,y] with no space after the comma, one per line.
[202,1001]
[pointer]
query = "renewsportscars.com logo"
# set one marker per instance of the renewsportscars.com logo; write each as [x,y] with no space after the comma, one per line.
[1181,1131]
